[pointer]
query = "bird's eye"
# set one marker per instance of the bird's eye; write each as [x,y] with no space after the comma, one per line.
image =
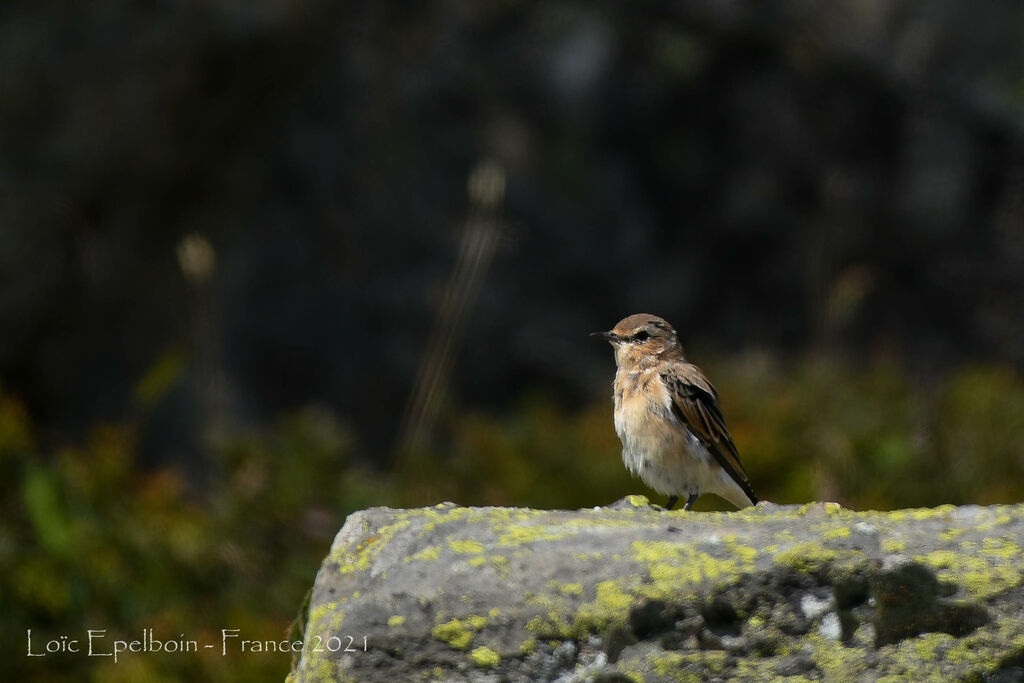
[641,336]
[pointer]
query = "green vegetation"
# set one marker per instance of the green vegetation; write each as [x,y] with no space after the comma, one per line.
[91,538]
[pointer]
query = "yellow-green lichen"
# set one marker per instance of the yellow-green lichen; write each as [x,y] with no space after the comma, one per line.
[319,669]
[518,535]
[746,553]
[485,657]
[466,547]
[1000,520]
[672,566]
[325,618]
[477,561]
[571,588]
[634,675]
[453,633]
[785,536]
[806,557]
[836,661]
[528,646]
[550,625]
[696,666]
[610,596]
[928,646]
[1000,548]
[360,558]
[891,545]
[610,519]
[671,665]
[428,554]
[584,557]
[458,633]
[443,514]
[838,532]
[983,651]
[396,620]
[611,605]
[316,614]
[552,621]
[980,578]
[638,501]
[932,656]
[920,514]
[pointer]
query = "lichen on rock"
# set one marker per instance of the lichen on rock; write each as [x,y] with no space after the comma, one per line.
[633,592]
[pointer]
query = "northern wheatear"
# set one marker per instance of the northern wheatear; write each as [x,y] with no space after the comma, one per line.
[667,416]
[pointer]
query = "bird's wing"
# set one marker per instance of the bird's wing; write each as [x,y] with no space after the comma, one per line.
[695,404]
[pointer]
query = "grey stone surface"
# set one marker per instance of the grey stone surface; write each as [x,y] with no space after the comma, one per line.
[631,592]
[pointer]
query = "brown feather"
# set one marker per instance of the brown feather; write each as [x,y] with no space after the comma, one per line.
[695,403]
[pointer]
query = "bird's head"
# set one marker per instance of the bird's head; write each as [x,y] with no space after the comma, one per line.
[642,340]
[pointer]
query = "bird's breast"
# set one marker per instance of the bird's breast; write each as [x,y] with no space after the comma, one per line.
[643,414]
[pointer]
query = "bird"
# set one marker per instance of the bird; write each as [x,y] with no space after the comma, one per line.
[667,416]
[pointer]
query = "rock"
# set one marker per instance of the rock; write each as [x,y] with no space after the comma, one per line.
[632,592]
[908,604]
[831,627]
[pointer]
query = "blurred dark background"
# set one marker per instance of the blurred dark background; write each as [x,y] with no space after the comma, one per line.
[262,264]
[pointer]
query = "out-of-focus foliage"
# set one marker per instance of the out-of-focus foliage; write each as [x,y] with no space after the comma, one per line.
[814,429]
[91,539]
[761,173]
[876,437]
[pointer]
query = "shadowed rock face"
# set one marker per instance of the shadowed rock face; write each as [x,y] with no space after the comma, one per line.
[631,592]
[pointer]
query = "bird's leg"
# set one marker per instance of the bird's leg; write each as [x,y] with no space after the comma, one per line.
[690,501]
[672,500]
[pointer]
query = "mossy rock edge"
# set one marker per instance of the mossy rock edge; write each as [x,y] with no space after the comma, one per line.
[632,592]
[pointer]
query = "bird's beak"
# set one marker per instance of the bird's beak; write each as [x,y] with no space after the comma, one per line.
[608,336]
